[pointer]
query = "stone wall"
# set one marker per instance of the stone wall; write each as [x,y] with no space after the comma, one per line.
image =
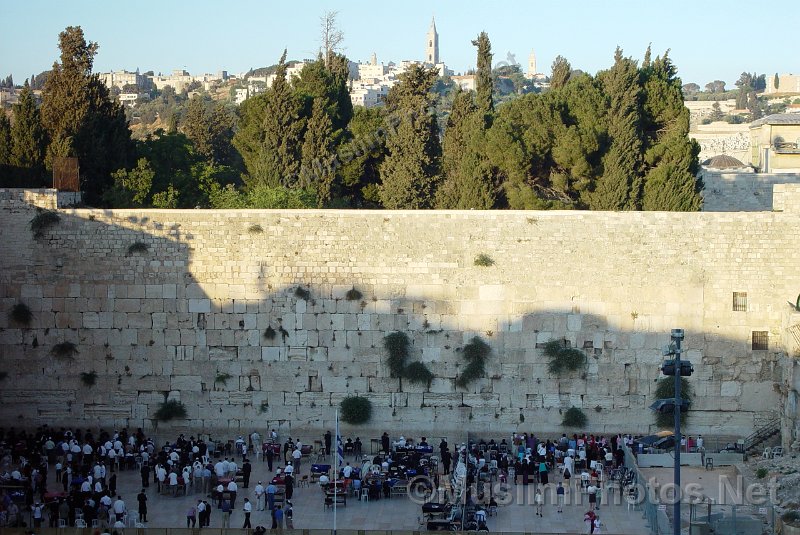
[743,191]
[168,321]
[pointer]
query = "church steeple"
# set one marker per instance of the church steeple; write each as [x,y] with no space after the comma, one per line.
[432,44]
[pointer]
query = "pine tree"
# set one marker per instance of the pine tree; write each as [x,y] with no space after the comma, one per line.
[620,186]
[483,77]
[270,133]
[647,58]
[80,117]
[5,139]
[316,168]
[561,71]
[27,134]
[467,173]
[197,127]
[410,170]
[670,181]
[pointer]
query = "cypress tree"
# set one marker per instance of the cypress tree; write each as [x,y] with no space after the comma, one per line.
[410,170]
[670,158]
[561,70]
[316,168]
[270,134]
[619,187]
[80,117]
[483,77]
[197,127]
[5,139]
[27,134]
[776,81]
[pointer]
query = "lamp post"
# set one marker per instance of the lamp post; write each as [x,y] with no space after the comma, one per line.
[677,336]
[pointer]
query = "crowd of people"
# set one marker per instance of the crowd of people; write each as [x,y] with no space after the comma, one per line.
[63,477]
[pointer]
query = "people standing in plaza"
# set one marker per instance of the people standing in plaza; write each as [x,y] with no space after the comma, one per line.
[191,516]
[560,497]
[247,508]
[141,498]
[289,515]
[277,518]
[447,458]
[270,456]
[201,512]
[538,500]
[259,492]
[328,441]
[271,490]
[246,469]
[226,514]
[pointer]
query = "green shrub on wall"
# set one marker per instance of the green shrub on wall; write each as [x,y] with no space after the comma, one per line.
[64,350]
[396,345]
[89,378]
[563,358]
[43,221]
[666,389]
[356,410]
[21,314]
[475,353]
[574,417]
[417,372]
[170,410]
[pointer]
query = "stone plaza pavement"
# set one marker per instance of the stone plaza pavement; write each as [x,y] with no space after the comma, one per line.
[398,513]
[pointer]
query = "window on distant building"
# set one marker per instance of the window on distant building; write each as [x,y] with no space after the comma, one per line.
[760,340]
[740,301]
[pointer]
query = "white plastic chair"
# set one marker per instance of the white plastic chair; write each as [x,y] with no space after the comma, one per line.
[80,523]
[767,453]
[777,452]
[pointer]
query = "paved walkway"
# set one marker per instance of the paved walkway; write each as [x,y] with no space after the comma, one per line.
[399,513]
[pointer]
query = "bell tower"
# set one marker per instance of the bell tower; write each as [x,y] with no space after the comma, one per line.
[432,44]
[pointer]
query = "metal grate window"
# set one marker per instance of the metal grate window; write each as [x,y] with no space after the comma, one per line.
[740,301]
[760,340]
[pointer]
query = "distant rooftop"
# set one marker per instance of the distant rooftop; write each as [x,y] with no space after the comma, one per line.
[777,118]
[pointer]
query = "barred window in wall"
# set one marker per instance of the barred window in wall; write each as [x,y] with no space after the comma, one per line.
[740,301]
[760,340]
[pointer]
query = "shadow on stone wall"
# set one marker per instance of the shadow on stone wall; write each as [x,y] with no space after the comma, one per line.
[126,292]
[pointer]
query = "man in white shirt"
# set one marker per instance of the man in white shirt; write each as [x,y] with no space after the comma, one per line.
[106,500]
[259,491]
[119,508]
[232,468]
[219,469]
[289,470]
[247,508]
[347,471]
[233,488]
[297,455]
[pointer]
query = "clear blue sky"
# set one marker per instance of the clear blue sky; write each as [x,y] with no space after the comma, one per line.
[709,39]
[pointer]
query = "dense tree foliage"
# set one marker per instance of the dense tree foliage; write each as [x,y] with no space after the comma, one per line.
[80,118]
[410,171]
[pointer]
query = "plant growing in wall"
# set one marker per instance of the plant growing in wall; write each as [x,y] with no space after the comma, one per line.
[3,375]
[64,350]
[475,353]
[269,333]
[665,388]
[396,345]
[21,314]
[562,358]
[170,410]
[356,410]
[574,417]
[302,293]
[138,247]
[484,260]
[255,229]
[42,221]
[89,378]
[264,407]
[418,373]
[222,378]
[353,294]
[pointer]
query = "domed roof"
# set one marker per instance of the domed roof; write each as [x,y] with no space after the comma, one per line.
[723,161]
